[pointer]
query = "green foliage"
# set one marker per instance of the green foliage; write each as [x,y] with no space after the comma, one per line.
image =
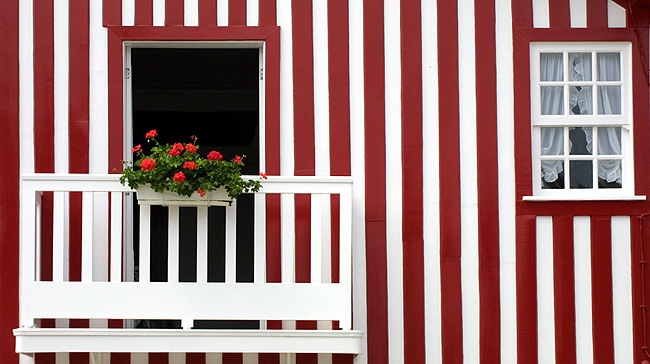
[180,168]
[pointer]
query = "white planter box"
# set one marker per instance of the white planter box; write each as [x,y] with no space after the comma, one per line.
[147,196]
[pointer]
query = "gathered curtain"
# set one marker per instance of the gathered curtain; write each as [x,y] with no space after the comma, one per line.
[581,103]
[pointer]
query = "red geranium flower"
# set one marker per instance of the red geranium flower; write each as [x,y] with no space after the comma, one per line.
[190,148]
[190,165]
[263,175]
[201,192]
[151,134]
[148,164]
[179,177]
[237,159]
[137,148]
[215,156]
[178,146]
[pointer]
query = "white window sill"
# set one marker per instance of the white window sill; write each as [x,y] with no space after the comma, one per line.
[584,198]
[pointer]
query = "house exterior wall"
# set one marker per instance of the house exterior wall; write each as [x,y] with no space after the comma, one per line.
[427,105]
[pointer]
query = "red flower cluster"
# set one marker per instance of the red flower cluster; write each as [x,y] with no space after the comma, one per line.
[151,134]
[179,177]
[177,148]
[137,148]
[237,159]
[148,164]
[263,175]
[190,165]
[215,156]
[190,148]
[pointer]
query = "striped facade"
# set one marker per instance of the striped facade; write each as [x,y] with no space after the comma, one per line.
[426,104]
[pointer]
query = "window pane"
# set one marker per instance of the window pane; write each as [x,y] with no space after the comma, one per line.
[552,141]
[609,173]
[580,67]
[581,100]
[609,100]
[581,174]
[552,99]
[609,141]
[609,67]
[551,67]
[581,141]
[552,174]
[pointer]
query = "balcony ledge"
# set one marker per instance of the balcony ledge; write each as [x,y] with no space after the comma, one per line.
[41,340]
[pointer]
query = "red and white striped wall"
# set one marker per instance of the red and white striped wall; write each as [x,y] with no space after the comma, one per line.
[426,104]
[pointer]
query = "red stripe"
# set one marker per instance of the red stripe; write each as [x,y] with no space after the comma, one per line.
[207,12]
[375,210]
[268,12]
[159,358]
[640,229]
[125,358]
[559,13]
[78,89]
[9,180]
[601,283]
[115,107]
[236,12]
[451,300]
[526,289]
[488,182]
[597,14]
[267,358]
[44,87]
[112,12]
[143,12]
[564,289]
[303,99]
[339,106]
[174,12]
[232,358]
[194,358]
[412,212]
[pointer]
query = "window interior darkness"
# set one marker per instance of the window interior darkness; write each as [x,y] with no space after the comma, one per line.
[212,93]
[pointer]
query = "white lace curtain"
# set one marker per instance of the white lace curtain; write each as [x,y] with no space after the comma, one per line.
[581,103]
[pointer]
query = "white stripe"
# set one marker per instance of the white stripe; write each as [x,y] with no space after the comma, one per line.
[62,358]
[616,15]
[159,13]
[176,358]
[128,12]
[545,298]
[541,14]
[622,289]
[222,13]
[357,151]
[252,13]
[393,157]
[139,358]
[507,195]
[98,121]
[578,10]
[431,185]
[582,258]
[26,81]
[249,358]
[213,358]
[468,187]
[191,13]
[61,80]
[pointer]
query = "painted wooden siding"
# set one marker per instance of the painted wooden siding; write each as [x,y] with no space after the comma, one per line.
[420,101]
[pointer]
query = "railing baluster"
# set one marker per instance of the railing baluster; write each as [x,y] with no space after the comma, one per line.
[59,246]
[88,223]
[288,237]
[231,242]
[144,271]
[345,256]
[172,249]
[116,236]
[202,244]
[260,239]
[316,238]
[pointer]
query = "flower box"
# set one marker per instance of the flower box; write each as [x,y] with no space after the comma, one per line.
[147,196]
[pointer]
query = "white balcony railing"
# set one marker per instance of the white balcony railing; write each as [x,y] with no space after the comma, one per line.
[106,288]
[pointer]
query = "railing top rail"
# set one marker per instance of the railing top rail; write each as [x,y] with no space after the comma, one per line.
[109,182]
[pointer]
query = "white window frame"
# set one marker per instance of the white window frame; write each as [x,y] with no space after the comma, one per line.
[624,120]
